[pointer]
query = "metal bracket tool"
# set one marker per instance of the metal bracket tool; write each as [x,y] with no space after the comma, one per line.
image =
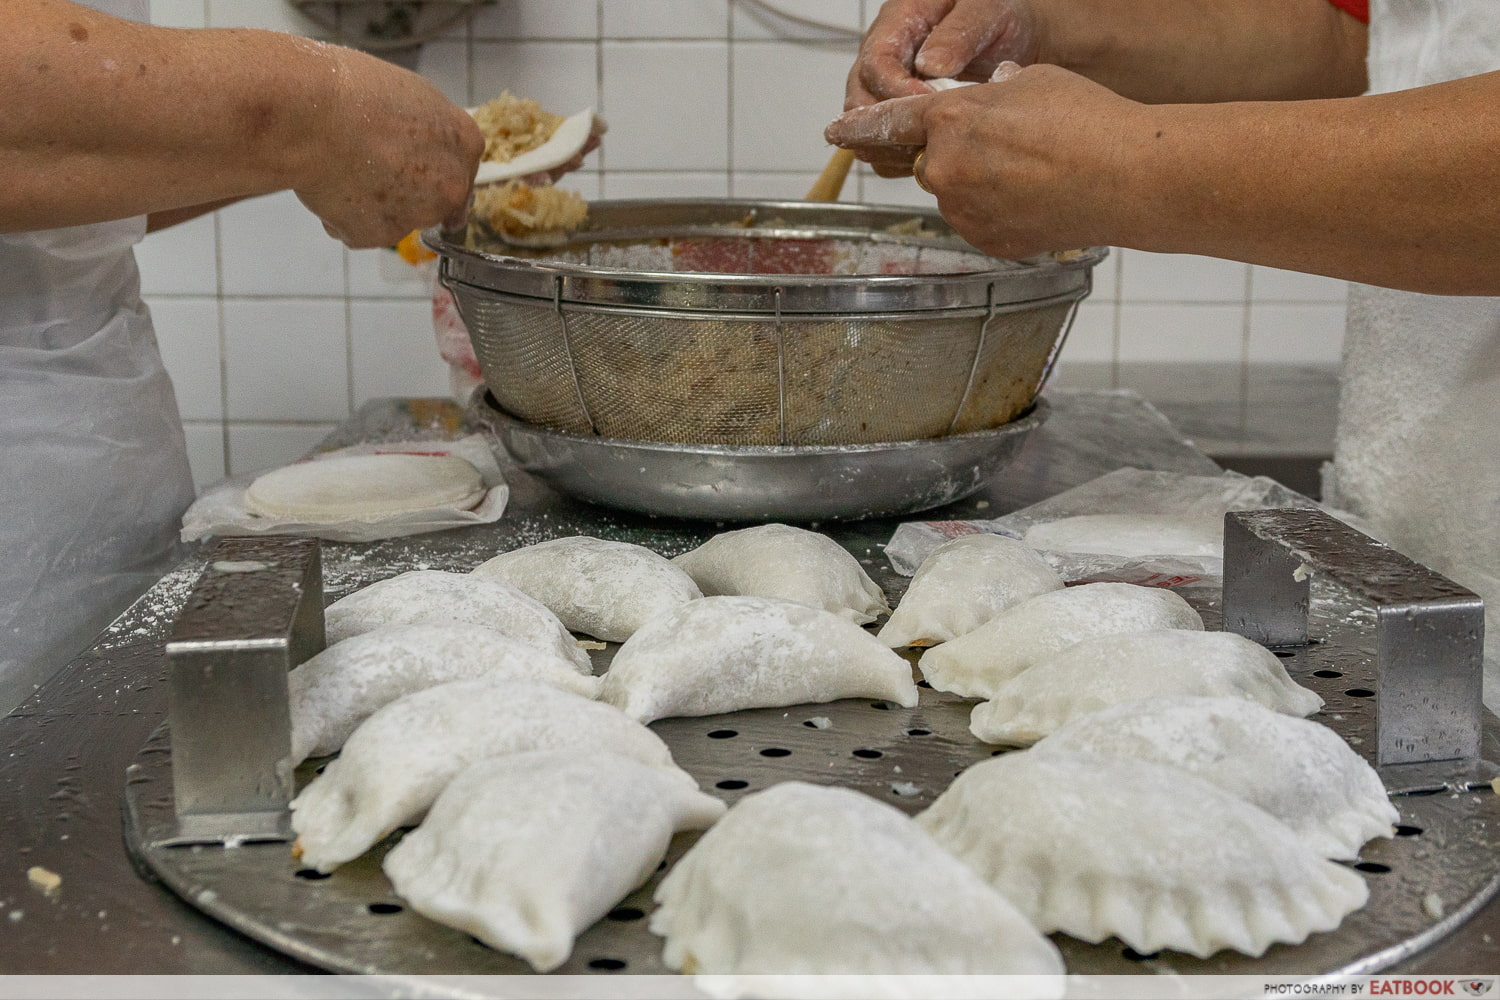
[255,612]
[1429,635]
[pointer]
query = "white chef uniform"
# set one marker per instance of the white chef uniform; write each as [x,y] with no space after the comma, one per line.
[1418,444]
[93,467]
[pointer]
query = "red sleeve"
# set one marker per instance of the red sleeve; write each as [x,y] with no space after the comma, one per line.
[1355,8]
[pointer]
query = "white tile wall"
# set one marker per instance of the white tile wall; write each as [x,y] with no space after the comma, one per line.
[274,333]
[667,104]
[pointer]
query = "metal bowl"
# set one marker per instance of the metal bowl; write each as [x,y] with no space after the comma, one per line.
[762,323]
[760,482]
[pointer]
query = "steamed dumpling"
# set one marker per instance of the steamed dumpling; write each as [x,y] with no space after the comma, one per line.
[1301,772]
[794,564]
[963,584]
[805,881]
[398,761]
[1095,847]
[425,596]
[600,588]
[978,664]
[1112,669]
[336,690]
[527,851]
[722,654]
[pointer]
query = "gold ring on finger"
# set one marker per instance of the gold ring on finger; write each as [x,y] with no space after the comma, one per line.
[916,170]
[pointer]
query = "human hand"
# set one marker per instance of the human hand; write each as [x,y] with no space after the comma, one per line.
[912,41]
[1034,161]
[396,155]
[915,40]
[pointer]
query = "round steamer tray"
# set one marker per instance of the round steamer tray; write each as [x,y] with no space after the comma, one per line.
[760,482]
[1440,869]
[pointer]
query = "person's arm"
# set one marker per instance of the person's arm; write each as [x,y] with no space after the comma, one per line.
[1393,190]
[1155,51]
[107,119]
[157,221]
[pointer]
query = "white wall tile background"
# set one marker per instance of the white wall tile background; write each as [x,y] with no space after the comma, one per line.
[274,333]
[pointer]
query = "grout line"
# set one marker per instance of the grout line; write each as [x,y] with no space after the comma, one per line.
[603,151]
[469,100]
[348,339]
[1245,353]
[223,338]
[268,423]
[729,164]
[1118,318]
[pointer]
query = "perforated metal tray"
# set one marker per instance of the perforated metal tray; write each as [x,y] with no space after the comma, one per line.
[1443,867]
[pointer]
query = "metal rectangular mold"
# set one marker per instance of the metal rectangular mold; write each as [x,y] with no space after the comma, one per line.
[1429,634]
[254,614]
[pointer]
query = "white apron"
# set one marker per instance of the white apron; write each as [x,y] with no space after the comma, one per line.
[95,474]
[1418,443]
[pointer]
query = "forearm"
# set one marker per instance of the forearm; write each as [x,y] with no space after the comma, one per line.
[108,119]
[167,218]
[1188,51]
[1393,190]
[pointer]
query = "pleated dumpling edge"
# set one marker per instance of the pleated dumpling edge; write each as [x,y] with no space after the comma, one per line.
[1098,847]
[724,654]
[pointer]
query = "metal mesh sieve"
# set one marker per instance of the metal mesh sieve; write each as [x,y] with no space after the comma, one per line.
[762,323]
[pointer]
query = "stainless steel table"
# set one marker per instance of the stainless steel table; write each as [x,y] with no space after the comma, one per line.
[66,749]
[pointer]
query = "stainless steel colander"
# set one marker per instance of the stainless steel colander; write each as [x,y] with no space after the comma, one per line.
[762,323]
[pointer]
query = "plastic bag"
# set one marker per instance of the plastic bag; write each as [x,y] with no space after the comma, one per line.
[1194,504]
[221,508]
[454,345]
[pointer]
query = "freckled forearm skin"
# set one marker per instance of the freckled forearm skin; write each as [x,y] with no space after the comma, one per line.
[108,119]
[1190,51]
[1393,189]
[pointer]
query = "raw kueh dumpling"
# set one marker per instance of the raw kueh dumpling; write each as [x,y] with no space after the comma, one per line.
[979,663]
[802,882]
[1130,535]
[600,588]
[1301,772]
[336,690]
[963,584]
[723,654]
[432,596]
[526,851]
[794,564]
[403,756]
[1113,669]
[364,487]
[1095,846]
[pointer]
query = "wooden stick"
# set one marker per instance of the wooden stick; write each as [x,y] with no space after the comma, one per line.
[831,181]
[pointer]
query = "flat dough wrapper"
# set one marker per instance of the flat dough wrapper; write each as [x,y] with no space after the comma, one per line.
[963,584]
[336,690]
[794,564]
[1098,847]
[1299,771]
[433,596]
[723,654]
[1133,535]
[1114,669]
[979,663]
[601,588]
[566,142]
[812,890]
[525,852]
[402,757]
[364,487]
